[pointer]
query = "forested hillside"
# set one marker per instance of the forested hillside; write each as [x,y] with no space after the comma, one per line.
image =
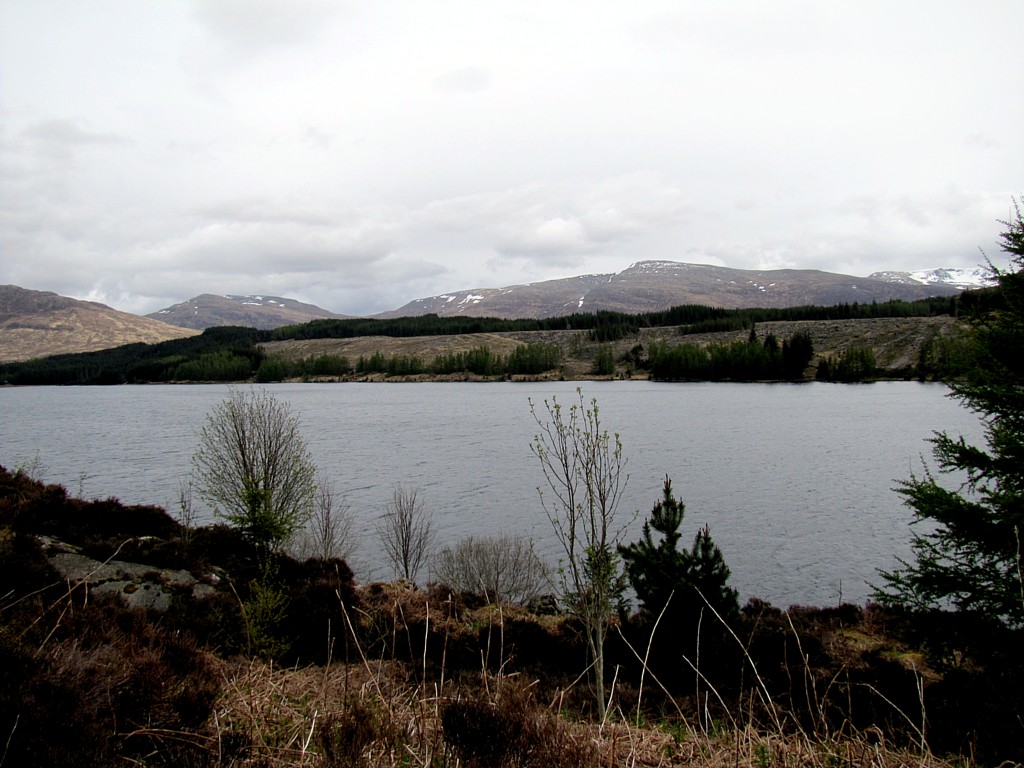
[577,345]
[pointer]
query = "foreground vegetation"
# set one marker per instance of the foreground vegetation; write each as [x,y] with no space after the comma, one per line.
[340,674]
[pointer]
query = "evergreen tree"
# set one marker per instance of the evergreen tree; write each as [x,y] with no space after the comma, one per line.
[686,580]
[675,587]
[797,352]
[655,569]
[272,369]
[710,576]
[968,553]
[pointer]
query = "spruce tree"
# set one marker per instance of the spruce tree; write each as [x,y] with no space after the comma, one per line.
[967,550]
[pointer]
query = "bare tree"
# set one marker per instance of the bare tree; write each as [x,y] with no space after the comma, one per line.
[186,510]
[504,568]
[33,468]
[329,531]
[406,532]
[253,467]
[583,469]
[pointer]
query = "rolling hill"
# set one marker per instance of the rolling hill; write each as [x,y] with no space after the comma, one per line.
[263,312]
[40,323]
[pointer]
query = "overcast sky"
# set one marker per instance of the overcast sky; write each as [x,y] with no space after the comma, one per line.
[358,155]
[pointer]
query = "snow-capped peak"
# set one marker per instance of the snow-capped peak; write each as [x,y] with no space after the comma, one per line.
[956,277]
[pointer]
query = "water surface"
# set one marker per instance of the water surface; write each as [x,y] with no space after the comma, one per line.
[795,481]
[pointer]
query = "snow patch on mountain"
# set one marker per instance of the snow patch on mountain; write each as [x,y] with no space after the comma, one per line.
[960,278]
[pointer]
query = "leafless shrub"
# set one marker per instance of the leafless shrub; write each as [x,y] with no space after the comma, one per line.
[406,532]
[186,509]
[33,468]
[329,531]
[504,568]
[584,471]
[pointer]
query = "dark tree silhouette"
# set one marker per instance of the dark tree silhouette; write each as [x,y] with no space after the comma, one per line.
[686,580]
[968,552]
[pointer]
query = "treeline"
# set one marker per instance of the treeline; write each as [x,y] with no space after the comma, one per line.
[433,325]
[750,360]
[853,364]
[611,326]
[226,353]
[231,353]
[526,359]
[741,319]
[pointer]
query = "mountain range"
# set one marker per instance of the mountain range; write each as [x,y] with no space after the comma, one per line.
[647,286]
[651,286]
[39,323]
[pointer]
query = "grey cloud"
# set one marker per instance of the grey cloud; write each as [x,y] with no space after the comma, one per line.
[913,212]
[318,138]
[69,133]
[290,147]
[465,80]
[58,140]
[857,235]
[559,221]
[252,26]
[261,233]
[981,140]
[282,247]
[259,210]
[949,214]
[349,286]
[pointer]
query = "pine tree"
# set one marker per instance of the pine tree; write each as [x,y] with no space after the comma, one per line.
[656,569]
[968,553]
[710,576]
[686,580]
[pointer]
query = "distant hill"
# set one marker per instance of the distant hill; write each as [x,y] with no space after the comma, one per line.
[650,286]
[961,279]
[263,312]
[40,323]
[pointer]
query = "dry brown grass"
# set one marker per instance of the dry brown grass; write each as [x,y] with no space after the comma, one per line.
[378,712]
[81,328]
[268,716]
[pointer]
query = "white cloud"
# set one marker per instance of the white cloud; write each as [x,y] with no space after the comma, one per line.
[364,155]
